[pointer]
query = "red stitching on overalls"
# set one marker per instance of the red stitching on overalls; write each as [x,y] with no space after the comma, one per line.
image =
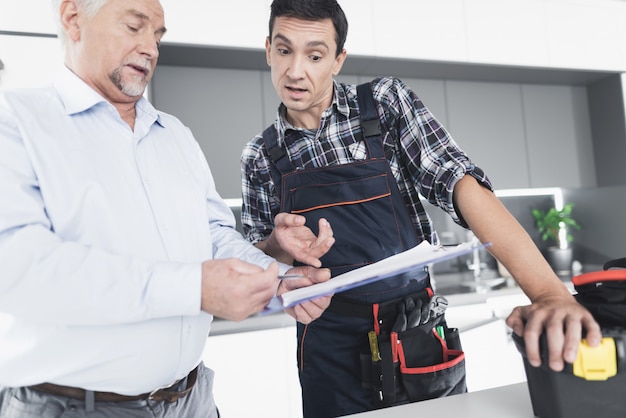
[341,203]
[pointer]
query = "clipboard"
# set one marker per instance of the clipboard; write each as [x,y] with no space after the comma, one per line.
[417,257]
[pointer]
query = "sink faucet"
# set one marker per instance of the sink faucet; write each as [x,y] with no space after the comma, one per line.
[475,264]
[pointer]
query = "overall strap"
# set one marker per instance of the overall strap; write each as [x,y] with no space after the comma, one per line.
[280,163]
[370,126]
[370,121]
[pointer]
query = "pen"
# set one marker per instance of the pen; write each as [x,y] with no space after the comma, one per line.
[291,276]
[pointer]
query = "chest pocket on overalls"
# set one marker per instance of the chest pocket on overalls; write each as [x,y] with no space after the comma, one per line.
[357,201]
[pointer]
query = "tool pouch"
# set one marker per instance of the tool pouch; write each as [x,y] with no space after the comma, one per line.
[431,366]
[416,364]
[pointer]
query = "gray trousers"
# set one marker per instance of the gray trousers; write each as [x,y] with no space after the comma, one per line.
[27,403]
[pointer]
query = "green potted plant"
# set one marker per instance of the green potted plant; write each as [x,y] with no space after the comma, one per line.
[554,225]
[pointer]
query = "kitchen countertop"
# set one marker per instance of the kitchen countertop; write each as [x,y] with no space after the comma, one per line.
[511,401]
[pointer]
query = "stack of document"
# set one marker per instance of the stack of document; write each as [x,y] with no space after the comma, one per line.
[417,257]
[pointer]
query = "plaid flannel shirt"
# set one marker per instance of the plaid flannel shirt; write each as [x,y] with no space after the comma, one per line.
[423,157]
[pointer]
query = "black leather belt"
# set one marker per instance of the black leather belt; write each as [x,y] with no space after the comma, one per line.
[165,394]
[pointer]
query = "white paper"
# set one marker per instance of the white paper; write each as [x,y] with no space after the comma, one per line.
[414,258]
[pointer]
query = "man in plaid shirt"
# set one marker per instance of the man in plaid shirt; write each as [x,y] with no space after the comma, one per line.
[315,179]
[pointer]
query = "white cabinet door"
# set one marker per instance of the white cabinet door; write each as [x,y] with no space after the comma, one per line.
[232,23]
[256,373]
[29,61]
[34,16]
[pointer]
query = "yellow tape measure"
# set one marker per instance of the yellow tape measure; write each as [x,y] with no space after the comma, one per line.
[374,346]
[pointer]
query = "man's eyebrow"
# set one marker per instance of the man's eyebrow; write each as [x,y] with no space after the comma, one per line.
[317,44]
[283,38]
[142,16]
[310,44]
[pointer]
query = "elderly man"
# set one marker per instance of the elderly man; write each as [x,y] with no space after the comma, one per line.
[115,248]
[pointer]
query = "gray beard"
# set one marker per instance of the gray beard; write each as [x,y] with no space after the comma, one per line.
[133,89]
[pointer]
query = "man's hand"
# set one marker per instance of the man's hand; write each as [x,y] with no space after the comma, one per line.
[306,312]
[233,289]
[292,240]
[563,320]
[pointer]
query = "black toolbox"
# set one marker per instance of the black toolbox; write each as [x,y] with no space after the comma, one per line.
[595,385]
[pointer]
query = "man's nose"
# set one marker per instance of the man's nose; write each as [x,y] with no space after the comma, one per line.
[297,68]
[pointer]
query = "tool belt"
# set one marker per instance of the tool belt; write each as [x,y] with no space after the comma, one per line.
[410,354]
[163,394]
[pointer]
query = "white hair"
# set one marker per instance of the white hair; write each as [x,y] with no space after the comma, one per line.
[90,7]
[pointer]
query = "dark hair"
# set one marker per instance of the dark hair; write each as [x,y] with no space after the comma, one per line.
[313,10]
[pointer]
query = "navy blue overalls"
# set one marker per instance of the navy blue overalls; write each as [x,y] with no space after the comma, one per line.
[370,221]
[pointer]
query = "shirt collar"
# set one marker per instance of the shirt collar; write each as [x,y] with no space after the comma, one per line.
[77,96]
[341,100]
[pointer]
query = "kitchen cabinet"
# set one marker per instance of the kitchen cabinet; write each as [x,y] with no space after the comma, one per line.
[29,61]
[487,121]
[522,135]
[219,85]
[558,136]
[233,23]
[255,373]
[607,109]
[34,16]
[512,130]
[223,108]
[532,33]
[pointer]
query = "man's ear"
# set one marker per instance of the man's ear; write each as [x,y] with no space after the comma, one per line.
[339,60]
[69,19]
[268,50]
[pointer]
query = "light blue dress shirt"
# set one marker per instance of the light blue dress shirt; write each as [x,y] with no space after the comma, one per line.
[102,235]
